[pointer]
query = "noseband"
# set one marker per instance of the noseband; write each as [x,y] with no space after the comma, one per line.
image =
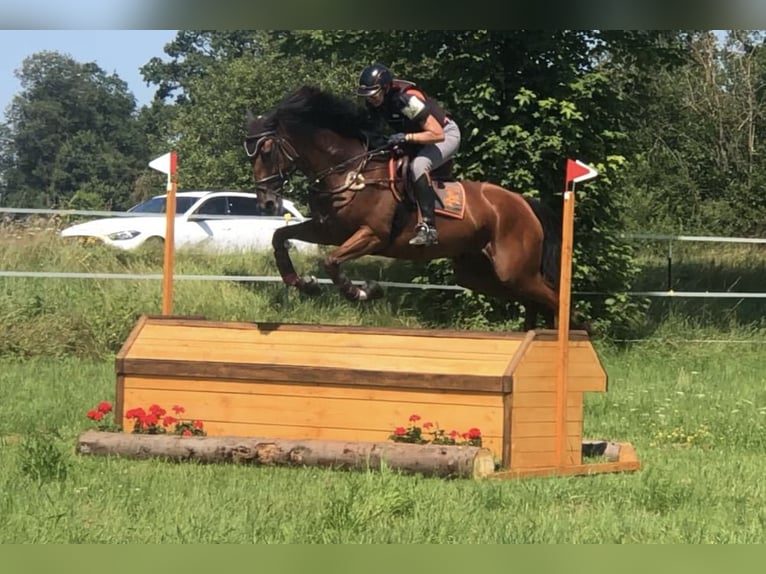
[283,147]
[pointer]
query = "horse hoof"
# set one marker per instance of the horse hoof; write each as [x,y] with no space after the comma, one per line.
[373,290]
[309,285]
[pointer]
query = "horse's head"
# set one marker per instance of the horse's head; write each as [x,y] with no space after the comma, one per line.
[271,155]
[315,132]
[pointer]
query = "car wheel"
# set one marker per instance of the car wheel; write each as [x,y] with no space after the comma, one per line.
[153,246]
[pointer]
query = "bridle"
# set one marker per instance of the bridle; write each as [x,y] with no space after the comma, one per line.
[284,148]
[288,152]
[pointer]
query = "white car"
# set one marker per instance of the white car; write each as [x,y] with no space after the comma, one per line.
[217,220]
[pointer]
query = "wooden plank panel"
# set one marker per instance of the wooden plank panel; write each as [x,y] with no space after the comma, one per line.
[544,399]
[402,362]
[320,420]
[320,412]
[266,327]
[287,374]
[523,384]
[128,344]
[313,390]
[529,368]
[313,329]
[574,343]
[411,341]
[543,415]
[544,444]
[149,347]
[523,460]
[537,429]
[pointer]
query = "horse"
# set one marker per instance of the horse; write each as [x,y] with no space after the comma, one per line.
[501,243]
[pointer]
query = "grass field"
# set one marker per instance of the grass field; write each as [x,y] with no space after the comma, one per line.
[696,415]
[695,411]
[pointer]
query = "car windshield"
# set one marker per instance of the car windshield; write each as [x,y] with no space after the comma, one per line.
[157,205]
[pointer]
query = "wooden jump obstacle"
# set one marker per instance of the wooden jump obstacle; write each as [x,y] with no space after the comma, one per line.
[340,383]
[351,386]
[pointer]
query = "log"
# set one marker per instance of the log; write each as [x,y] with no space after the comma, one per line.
[444,461]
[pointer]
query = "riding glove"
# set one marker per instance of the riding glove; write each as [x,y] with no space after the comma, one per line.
[397,139]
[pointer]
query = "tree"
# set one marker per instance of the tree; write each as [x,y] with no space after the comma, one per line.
[194,52]
[72,126]
[698,164]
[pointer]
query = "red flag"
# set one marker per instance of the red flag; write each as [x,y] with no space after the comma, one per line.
[578,171]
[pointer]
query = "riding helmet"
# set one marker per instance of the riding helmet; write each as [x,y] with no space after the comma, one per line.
[373,79]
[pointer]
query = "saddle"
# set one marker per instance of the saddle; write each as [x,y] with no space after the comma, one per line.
[450,195]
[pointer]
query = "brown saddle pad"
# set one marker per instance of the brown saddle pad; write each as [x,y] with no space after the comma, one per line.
[450,195]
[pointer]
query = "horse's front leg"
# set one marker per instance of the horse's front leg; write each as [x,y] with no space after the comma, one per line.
[363,242]
[305,231]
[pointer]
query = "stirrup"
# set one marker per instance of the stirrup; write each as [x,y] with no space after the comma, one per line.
[425,235]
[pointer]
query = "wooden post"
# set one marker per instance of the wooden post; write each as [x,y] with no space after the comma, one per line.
[168,260]
[167,164]
[565,284]
[576,171]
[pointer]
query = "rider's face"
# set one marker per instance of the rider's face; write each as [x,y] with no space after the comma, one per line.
[376,99]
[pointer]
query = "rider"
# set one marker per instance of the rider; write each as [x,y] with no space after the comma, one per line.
[418,119]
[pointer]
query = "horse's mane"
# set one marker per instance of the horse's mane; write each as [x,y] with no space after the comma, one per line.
[309,108]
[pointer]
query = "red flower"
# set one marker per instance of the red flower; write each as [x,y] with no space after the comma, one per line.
[400,431]
[197,424]
[178,409]
[186,432]
[167,421]
[414,418]
[428,425]
[94,415]
[104,407]
[138,413]
[151,419]
[157,410]
[474,433]
[453,434]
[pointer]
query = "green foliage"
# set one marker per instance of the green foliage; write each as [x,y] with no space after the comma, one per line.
[72,126]
[87,200]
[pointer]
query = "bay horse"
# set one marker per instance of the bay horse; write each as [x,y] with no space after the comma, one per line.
[501,243]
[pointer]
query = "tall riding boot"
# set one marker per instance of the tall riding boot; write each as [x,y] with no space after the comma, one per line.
[425,232]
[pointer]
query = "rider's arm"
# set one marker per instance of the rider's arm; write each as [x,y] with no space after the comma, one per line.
[417,110]
[432,132]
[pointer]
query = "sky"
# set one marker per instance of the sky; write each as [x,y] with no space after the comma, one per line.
[120,52]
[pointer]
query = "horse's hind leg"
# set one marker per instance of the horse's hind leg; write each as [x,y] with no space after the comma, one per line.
[518,270]
[474,271]
[532,310]
[478,272]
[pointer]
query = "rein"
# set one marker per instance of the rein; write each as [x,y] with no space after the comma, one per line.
[365,157]
[289,153]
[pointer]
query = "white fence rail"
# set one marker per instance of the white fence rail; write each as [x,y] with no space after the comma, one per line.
[669,293]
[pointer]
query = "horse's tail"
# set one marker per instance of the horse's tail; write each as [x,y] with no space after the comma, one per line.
[551,263]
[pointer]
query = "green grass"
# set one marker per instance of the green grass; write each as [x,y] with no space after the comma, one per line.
[696,415]
[704,267]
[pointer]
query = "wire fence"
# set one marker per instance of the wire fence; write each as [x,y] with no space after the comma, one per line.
[667,293]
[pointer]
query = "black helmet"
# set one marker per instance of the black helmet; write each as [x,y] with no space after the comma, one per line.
[373,79]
